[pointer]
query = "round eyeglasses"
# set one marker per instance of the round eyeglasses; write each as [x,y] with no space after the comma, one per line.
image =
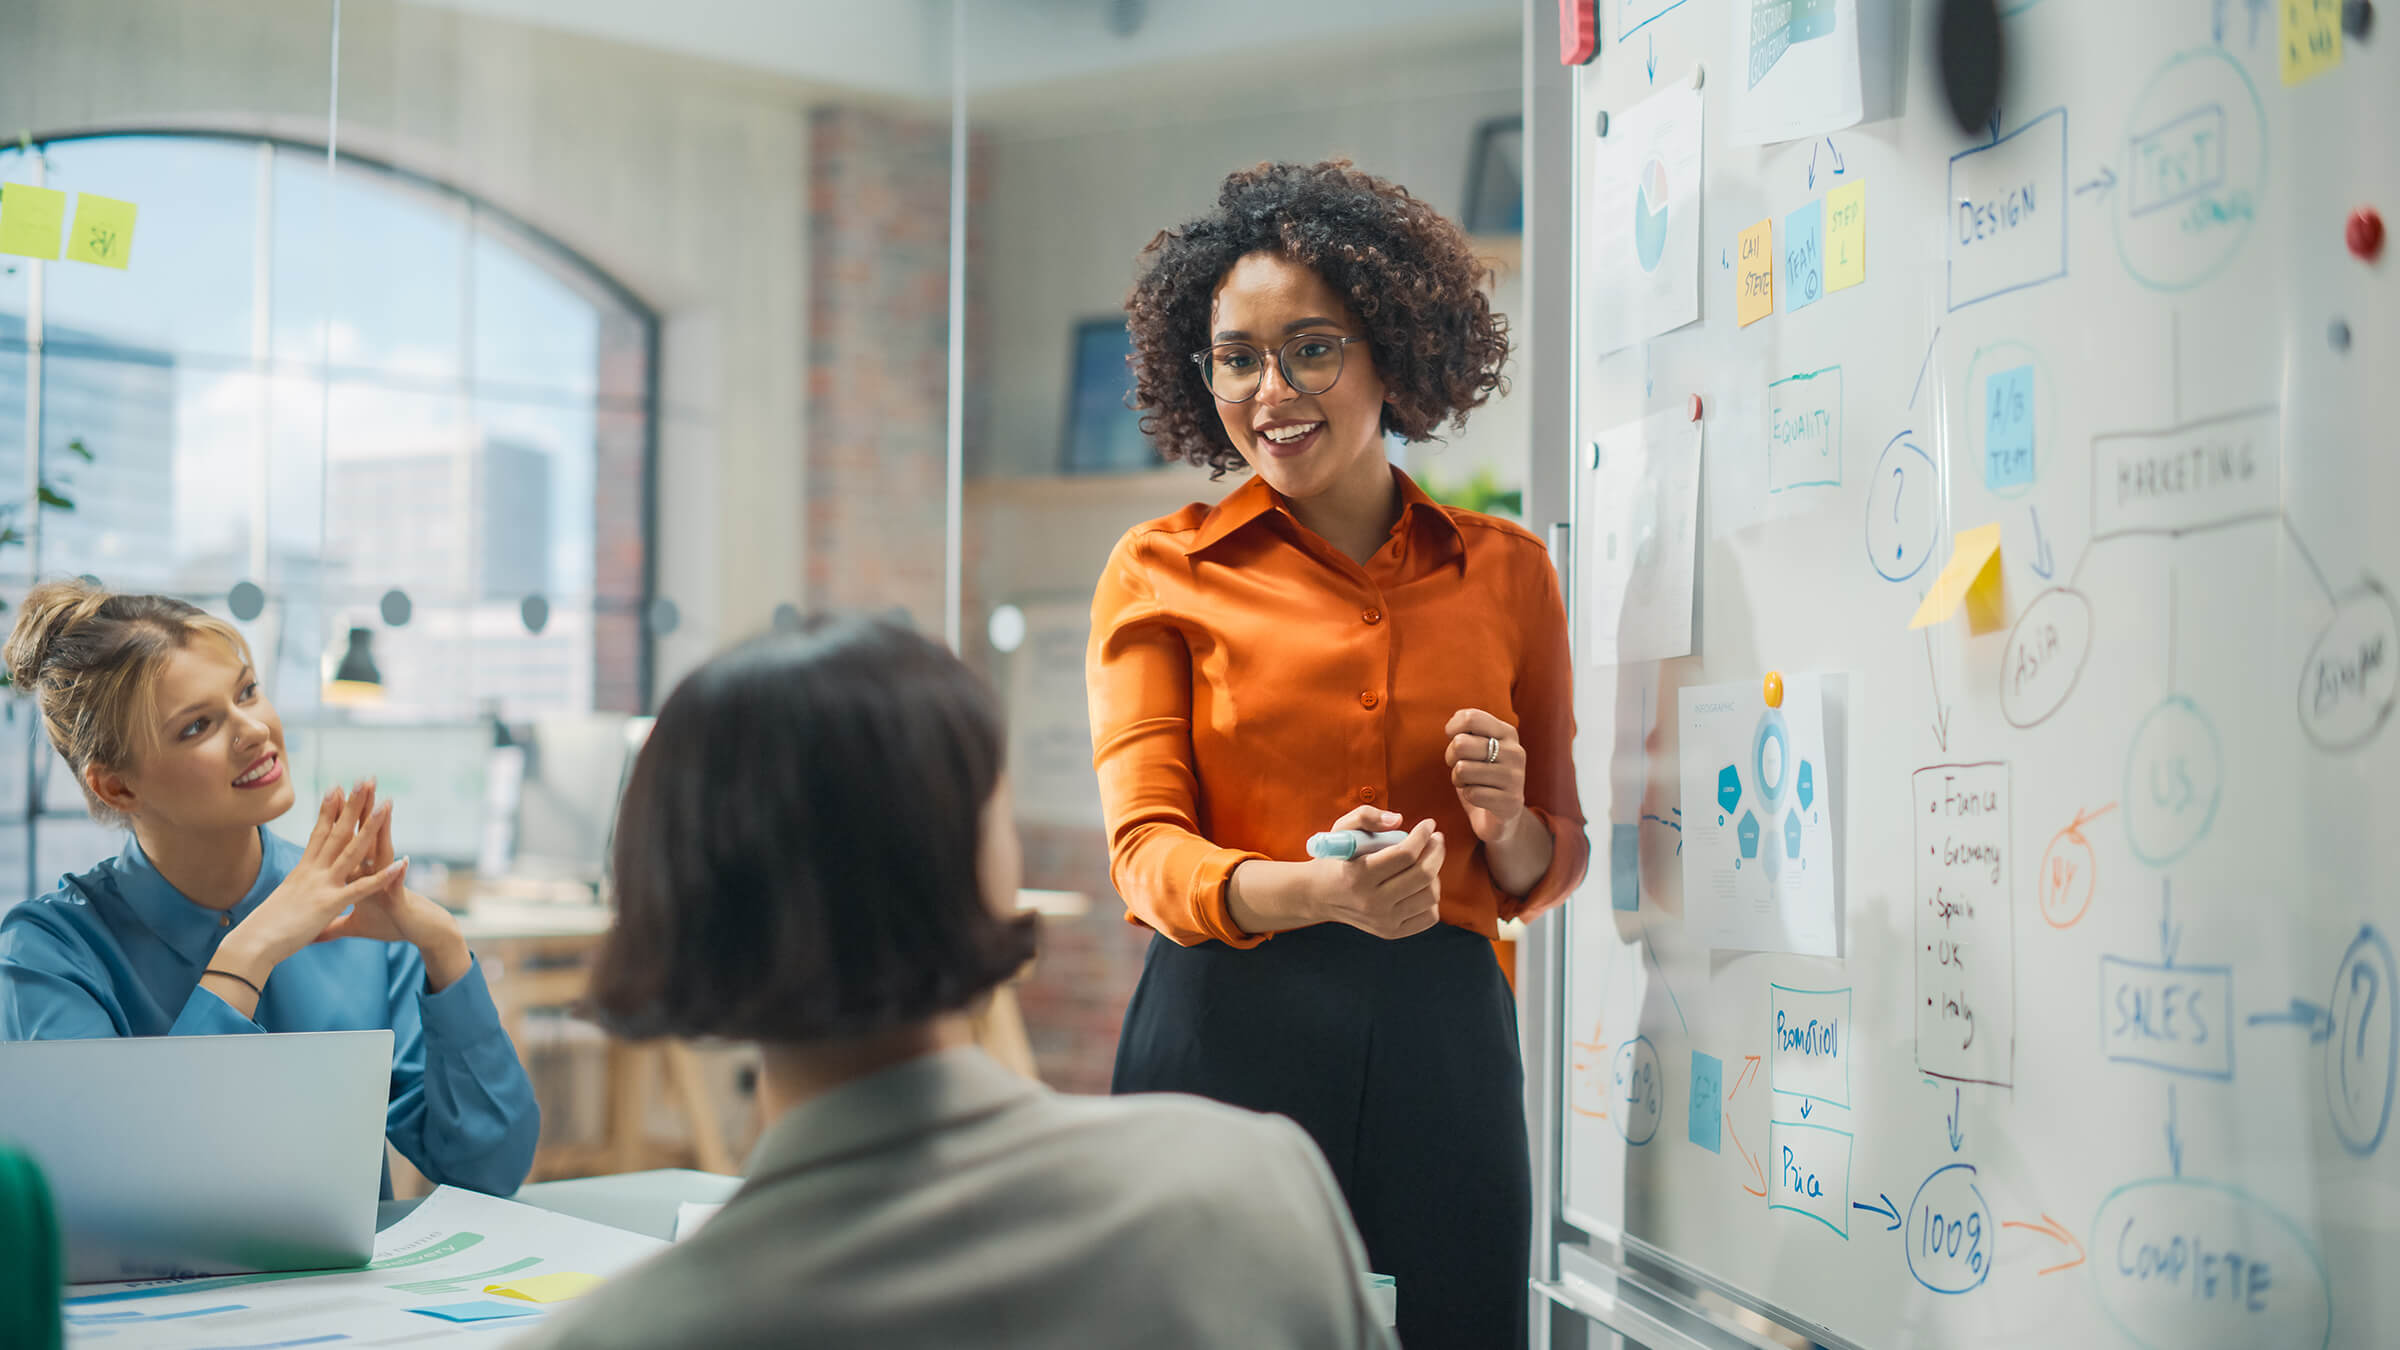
[1311,363]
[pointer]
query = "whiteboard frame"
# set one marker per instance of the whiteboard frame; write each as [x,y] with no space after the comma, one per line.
[1581,1271]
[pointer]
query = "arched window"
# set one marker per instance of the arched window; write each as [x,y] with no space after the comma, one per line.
[343,389]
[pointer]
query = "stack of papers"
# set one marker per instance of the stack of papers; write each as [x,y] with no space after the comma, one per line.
[461,1266]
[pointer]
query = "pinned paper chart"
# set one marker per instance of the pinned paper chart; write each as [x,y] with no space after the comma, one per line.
[1801,68]
[1641,496]
[1758,819]
[1645,220]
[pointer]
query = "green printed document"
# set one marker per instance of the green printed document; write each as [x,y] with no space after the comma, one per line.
[431,1267]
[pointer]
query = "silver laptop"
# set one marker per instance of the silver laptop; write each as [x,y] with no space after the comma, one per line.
[205,1155]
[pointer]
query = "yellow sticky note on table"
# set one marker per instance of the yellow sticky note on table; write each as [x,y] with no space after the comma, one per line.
[2310,35]
[29,218]
[103,231]
[1972,576]
[1754,273]
[556,1287]
[1845,236]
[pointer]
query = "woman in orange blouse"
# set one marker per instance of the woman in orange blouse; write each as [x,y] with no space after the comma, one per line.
[1328,648]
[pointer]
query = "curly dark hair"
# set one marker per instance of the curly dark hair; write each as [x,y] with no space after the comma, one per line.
[1407,272]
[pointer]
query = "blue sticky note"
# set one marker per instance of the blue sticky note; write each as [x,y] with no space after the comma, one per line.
[1708,1102]
[1625,867]
[481,1310]
[2008,428]
[1804,256]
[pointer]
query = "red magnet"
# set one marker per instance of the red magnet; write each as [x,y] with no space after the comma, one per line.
[1695,407]
[1578,32]
[2365,234]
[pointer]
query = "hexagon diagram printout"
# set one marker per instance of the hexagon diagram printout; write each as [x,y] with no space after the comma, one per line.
[1758,828]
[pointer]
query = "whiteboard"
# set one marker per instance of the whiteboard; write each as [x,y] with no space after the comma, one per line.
[2137,843]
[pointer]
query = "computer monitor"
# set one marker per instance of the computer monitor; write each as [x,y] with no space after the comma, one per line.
[575,773]
[432,774]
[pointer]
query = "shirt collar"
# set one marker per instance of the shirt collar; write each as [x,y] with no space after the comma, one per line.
[191,930]
[924,1094]
[1254,501]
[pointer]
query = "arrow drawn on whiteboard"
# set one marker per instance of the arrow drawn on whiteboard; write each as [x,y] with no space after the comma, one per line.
[2101,185]
[2170,933]
[1830,148]
[1749,1071]
[1886,1209]
[2042,564]
[1941,710]
[1804,1108]
[2174,1144]
[2056,1232]
[1812,167]
[1956,1138]
[2303,1014]
[1654,58]
[1921,366]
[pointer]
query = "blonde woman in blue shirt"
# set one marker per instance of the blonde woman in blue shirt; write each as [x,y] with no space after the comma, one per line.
[206,923]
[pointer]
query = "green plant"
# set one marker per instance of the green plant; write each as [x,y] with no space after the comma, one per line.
[47,497]
[1480,492]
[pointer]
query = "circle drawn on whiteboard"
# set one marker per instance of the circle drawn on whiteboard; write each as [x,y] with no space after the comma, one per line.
[2362,1055]
[2174,781]
[1650,215]
[2195,156]
[1637,1091]
[1903,510]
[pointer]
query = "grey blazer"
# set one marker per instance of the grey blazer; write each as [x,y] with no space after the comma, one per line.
[949,1204]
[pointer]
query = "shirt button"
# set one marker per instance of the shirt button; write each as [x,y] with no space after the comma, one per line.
[1369,699]
[225,921]
[1366,795]
[1373,616]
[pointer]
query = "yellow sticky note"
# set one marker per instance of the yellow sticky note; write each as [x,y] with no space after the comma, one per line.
[1845,237]
[103,231]
[1973,576]
[29,218]
[2310,34]
[555,1287]
[1754,273]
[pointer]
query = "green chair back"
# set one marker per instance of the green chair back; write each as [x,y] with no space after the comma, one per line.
[31,1276]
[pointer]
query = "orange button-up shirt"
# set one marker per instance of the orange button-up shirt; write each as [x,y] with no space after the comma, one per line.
[1249,684]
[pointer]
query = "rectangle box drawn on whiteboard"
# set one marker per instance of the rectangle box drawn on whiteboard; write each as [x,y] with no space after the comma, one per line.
[2184,158]
[1804,430]
[2176,1018]
[2007,221]
[1813,1036]
[1809,1168]
[1966,939]
[2220,470]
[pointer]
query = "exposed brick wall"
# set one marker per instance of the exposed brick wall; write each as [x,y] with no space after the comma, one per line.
[879,275]
[878,363]
[1074,1001]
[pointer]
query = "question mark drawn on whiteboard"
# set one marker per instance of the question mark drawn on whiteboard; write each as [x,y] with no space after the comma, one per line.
[1898,545]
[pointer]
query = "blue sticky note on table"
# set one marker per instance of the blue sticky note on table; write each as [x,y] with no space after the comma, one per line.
[1804,256]
[2008,428]
[480,1310]
[1625,867]
[1708,1102]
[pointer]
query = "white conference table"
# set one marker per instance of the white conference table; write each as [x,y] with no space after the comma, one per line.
[638,1202]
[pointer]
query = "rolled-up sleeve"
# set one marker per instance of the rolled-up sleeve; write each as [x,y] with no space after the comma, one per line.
[1545,699]
[1138,671]
[462,1109]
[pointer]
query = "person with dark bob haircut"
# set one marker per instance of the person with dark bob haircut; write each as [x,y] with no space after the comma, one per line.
[815,852]
[1327,648]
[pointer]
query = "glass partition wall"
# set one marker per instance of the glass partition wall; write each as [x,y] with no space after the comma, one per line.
[1091,127]
[491,362]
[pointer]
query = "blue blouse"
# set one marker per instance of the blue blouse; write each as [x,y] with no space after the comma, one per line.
[118,951]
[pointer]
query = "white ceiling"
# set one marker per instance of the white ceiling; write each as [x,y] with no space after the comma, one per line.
[902,47]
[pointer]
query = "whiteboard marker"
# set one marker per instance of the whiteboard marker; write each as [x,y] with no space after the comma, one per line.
[1353,843]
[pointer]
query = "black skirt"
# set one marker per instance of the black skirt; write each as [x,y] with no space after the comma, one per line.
[1400,1059]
